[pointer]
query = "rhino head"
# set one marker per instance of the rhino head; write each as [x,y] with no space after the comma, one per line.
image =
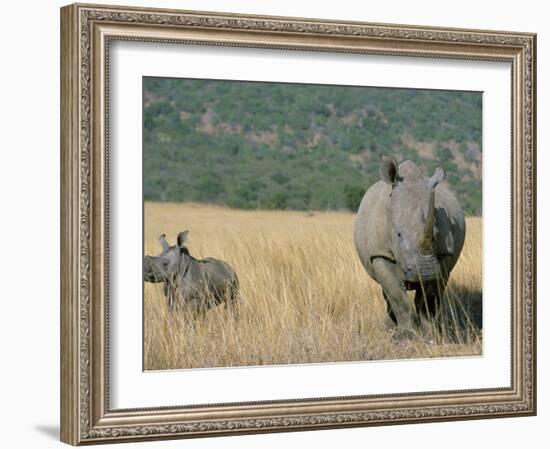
[163,267]
[412,218]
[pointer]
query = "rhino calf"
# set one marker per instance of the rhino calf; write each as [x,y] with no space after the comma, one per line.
[409,232]
[196,284]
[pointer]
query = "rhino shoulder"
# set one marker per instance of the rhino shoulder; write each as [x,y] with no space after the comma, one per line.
[372,229]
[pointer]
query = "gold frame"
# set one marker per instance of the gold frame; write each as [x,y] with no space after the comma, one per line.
[86,31]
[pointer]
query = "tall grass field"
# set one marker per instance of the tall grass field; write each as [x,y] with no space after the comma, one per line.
[304,296]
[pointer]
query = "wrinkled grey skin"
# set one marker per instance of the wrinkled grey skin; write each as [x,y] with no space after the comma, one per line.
[196,284]
[409,232]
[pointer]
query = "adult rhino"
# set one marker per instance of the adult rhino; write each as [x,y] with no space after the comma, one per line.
[196,284]
[409,232]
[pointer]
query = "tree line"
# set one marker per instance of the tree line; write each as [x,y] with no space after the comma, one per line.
[255,145]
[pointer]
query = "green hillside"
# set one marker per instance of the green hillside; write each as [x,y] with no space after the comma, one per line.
[297,146]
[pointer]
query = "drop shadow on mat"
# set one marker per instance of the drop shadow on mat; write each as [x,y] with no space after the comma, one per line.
[49,430]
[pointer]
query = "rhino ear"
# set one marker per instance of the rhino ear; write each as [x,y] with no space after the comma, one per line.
[182,239]
[437,177]
[162,239]
[388,169]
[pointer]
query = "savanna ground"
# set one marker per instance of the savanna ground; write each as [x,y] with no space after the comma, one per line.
[305,298]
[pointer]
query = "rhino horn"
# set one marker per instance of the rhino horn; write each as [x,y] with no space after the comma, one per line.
[427,234]
[426,240]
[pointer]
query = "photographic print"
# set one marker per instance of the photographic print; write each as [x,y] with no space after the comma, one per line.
[300,223]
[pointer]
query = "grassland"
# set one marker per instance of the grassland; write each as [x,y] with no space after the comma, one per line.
[305,296]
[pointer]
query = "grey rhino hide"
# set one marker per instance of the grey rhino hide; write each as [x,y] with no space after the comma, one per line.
[197,284]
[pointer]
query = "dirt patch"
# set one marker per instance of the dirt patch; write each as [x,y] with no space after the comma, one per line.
[362,157]
[314,139]
[184,115]
[426,150]
[208,125]
[265,137]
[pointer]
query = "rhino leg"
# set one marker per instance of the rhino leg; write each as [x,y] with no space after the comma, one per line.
[426,300]
[428,303]
[169,294]
[391,320]
[395,294]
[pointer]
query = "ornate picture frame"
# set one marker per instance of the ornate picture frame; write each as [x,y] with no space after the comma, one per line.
[87,31]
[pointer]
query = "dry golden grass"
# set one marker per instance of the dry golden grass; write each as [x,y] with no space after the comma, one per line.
[305,298]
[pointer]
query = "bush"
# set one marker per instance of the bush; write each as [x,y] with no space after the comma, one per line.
[353,195]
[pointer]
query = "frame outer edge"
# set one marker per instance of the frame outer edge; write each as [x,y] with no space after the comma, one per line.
[79,231]
[533,230]
[535,149]
[69,131]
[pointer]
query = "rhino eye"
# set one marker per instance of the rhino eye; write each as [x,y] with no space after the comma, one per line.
[399,234]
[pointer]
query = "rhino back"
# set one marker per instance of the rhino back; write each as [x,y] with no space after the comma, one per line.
[218,271]
[208,274]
